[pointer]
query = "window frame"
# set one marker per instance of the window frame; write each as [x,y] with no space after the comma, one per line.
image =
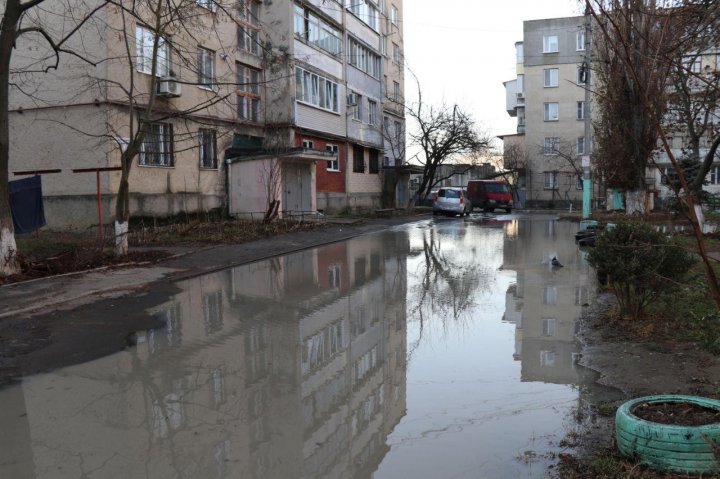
[333,165]
[548,109]
[318,88]
[207,5]
[580,41]
[580,145]
[248,92]
[363,58]
[372,112]
[143,64]
[373,162]
[547,44]
[550,180]
[550,80]
[580,110]
[165,156]
[206,60]
[713,176]
[314,30]
[248,26]
[394,15]
[550,145]
[211,135]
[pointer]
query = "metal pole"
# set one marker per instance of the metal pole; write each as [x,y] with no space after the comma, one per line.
[587,141]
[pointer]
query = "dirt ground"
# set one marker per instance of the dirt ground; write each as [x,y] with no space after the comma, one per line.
[636,364]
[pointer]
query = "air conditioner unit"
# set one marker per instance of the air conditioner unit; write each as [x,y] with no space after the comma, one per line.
[352,99]
[169,87]
[520,95]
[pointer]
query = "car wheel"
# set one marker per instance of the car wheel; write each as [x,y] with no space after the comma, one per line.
[508,210]
[435,213]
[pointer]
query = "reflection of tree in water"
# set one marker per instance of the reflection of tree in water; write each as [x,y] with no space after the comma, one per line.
[448,280]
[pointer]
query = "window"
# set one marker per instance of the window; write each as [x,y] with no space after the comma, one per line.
[580,145]
[547,359]
[551,180]
[549,327]
[580,41]
[667,175]
[358,159]
[314,30]
[206,68]
[248,93]
[715,175]
[550,44]
[396,92]
[372,112]
[307,144]
[551,112]
[334,276]
[365,11]
[363,58]
[396,56]
[579,182]
[393,15]
[316,90]
[208,148]
[157,146]
[550,296]
[551,145]
[248,26]
[692,63]
[209,4]
[398,132]
[357,112]
[144,40]
[374,163]
[580,110]
[551,77]
[334,164]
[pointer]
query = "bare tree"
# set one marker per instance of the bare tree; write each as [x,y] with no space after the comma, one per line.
[516,162]
[444,134]
[644,44]
[31,19]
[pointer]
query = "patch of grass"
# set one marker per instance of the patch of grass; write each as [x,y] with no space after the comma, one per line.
[607,467]
[606,409]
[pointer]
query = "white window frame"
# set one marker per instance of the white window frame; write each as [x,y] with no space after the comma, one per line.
[549,44]
[394,15]
[714,175]
[366,12]
[580,41]
[248,93]
[316,90]
[692,63]
[551,111]
[372,112]
[551,145]
[396,92]
[206,68]
[317,32]
[580,110]
[580,145]
[551,182]
[396,55]
[363,58]
[550,295]
[357,111]
[248,26]
[334,164]
[144,39]
[551,77]
[580,80]
[208,149]
[549,326]
[308,144]
[207,4]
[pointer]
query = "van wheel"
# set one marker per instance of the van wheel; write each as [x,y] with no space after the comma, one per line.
[508,210]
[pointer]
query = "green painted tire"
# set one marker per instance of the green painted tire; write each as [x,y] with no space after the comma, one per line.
[685,449]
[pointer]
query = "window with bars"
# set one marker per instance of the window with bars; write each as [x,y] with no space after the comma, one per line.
[248,93]
[208,148]
[206,68]
[358,159]
[157,146]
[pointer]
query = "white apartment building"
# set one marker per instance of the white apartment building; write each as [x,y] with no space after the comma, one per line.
[548,99]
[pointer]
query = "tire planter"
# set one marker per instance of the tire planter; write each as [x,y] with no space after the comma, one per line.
[685,449]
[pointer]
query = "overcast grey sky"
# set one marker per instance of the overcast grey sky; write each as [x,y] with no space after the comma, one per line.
[463,50]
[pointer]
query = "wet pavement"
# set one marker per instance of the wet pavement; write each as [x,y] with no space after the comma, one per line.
[441,348]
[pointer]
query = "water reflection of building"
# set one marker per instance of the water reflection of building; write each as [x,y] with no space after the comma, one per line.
[546,302]
[291,367]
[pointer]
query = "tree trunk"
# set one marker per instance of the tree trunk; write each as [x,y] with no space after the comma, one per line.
[8,247]
[122,209]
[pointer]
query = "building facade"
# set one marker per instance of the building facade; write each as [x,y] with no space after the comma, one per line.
[548,99]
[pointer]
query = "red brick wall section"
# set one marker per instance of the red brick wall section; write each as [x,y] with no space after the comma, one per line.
[327,181]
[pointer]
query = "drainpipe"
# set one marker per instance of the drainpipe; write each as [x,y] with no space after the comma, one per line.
[587,141]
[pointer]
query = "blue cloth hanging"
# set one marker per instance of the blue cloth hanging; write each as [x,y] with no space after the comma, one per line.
[26,204]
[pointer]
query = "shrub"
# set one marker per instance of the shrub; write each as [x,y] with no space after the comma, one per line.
[641,264]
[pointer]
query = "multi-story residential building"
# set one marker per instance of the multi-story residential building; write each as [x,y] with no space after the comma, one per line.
[208,88]
[548,99]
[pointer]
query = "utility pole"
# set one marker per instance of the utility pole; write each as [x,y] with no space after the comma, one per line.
[587,142]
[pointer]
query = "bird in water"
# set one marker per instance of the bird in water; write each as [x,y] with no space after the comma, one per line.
[555,262]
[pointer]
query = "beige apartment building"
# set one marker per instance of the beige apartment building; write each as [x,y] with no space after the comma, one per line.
[208,63]
[548,99]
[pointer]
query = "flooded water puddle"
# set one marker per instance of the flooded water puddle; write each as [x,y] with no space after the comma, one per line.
[438,349]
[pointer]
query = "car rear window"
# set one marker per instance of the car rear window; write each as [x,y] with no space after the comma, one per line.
[452,194]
